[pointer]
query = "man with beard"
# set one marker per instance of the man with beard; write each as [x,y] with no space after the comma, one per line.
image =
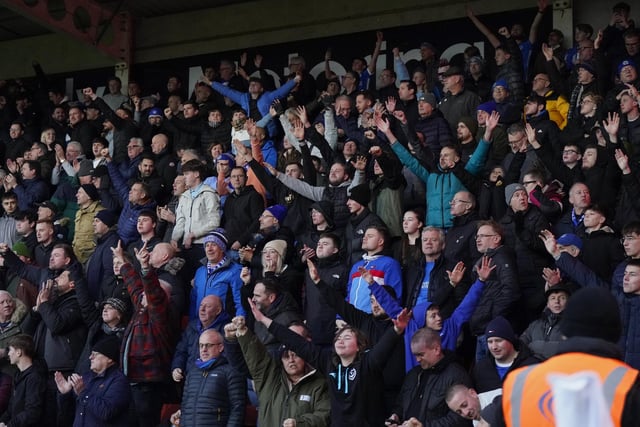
[336,191]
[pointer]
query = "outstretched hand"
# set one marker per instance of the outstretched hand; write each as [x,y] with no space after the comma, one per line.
[457,273]
[550,243]
[257,314]
[400,323]
[485,268]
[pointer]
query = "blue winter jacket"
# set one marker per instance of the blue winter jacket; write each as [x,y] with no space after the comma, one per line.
[128,220]
[441,185]
[264,101]
[451,327]
[225,282]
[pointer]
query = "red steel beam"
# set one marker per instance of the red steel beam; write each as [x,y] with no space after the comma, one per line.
[88,25]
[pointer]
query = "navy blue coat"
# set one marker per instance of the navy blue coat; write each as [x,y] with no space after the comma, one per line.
[104,400]
[100,265]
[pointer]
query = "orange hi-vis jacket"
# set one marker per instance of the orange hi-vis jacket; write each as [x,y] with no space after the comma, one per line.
[528,399]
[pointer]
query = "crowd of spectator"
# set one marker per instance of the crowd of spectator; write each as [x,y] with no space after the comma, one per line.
[378,248]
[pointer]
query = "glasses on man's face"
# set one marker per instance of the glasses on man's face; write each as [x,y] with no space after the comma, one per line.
[208,344]
[482,236]
[569,152]
[455,201]
[586,101]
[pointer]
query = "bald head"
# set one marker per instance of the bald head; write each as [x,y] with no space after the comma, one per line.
[161,254]
[159,142]
[210,308]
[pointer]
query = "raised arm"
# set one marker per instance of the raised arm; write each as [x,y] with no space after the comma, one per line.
[493,39]
[533,32]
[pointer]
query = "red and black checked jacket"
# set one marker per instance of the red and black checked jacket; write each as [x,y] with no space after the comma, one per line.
[148,342]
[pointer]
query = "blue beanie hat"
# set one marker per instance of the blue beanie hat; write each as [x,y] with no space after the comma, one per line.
[487,107]
[502,83]
[229,158]
[218,237]
[278,211]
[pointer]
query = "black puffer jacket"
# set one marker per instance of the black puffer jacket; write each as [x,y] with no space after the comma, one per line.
[214,396]
[511,71]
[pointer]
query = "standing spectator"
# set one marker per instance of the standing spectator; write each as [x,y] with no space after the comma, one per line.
[507,355]
[502,288]
[100,264]
[290,391]
[256,102]
[521,226]
[437,371]
[148,341]
[81,130]
[134,200]
[241,210]
[114,97]
[354,375]
[28,399]
[31,188]
[219,276]
[88,206]
[457,102]
[543,336]
[197,214]
[59,334]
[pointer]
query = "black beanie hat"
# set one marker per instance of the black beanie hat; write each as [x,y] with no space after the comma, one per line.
[592,312]
[501,328]
[91,191]
[361,194]
[109,347]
